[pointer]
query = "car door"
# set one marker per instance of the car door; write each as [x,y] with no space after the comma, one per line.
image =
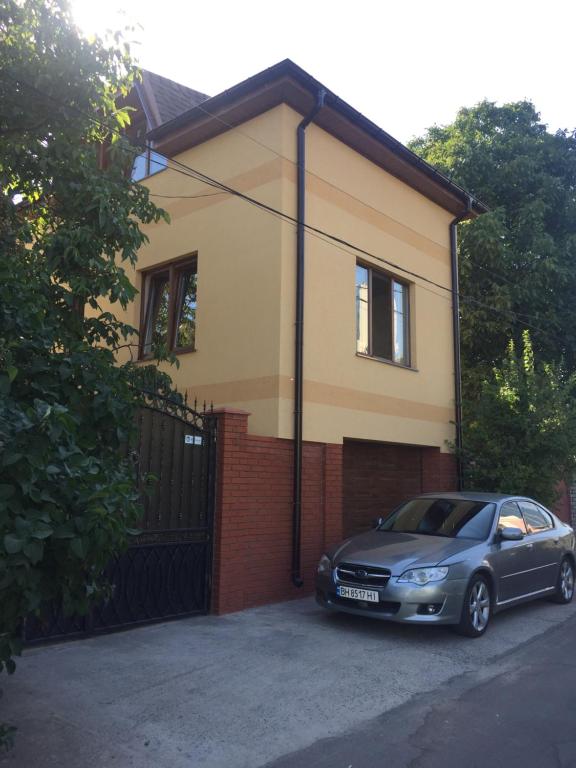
[546,549]
[511,560]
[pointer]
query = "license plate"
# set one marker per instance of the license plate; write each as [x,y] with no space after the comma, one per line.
[354,593]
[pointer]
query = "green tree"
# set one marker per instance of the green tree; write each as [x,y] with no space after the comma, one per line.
[517,263]
[519,437]
[67,227]
[517,273]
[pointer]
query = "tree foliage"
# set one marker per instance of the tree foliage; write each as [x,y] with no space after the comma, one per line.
[67,228]
[519,438]
[517,263]
[517,274]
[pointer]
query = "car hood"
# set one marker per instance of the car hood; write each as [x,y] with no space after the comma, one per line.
[399,551]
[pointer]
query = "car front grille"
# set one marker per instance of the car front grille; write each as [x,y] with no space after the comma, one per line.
[367,575]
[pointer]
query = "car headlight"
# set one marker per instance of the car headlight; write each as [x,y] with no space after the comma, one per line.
[421,576]
[324,566]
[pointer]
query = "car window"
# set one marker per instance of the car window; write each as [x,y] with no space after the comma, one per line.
[511,517]
[536,519]
[454,518]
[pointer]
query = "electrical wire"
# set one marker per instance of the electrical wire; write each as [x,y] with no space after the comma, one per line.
[187,170]
[186,197]
[193,173]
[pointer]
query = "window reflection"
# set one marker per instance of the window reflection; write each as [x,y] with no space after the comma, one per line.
[147,164]
[511,517]
[186,310]
[382,316]
[400,322]
[157,313]
[169,319]
[139,167]
[361,309]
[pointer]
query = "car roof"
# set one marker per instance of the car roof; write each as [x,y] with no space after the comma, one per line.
[472,496]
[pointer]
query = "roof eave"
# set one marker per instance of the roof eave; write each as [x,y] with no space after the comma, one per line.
[287,83]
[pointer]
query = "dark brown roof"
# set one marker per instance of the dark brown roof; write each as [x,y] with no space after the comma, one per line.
[288,83]
[163,99]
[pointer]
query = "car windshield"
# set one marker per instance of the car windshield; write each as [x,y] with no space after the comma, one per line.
[454,518]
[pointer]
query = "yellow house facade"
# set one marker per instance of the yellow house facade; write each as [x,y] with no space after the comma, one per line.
[218,283]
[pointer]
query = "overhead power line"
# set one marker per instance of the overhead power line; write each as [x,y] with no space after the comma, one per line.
[186,170]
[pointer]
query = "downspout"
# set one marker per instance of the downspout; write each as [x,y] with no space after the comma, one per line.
[299,336]
[456,337]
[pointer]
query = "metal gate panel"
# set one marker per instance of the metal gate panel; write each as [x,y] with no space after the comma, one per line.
[166,571]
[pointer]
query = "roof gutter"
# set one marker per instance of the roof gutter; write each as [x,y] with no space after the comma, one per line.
[456,337]
[299,337]
[287,70]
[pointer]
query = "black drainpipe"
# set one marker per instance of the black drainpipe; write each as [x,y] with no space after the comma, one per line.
[299,341]
[456,335]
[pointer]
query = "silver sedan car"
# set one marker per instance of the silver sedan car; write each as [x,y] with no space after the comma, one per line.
[451,558]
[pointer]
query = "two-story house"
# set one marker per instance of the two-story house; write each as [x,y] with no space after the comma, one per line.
[306,283]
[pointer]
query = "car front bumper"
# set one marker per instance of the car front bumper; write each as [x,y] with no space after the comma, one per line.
[406,603]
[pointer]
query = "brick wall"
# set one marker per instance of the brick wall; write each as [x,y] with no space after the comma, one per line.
[439,471]
[378,476]
[253,522]
[563,507]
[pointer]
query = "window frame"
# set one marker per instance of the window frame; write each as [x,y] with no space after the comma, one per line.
[407,317]
[174,268]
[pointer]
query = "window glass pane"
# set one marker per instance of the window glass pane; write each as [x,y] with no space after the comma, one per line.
[381,316]
[401,323]
[510,517]
[139,170]
[157,162]
[536,519]
[361,310]
[186,309]
[156,328]
[442,517]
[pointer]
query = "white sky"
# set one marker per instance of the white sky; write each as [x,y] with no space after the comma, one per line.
[404,64]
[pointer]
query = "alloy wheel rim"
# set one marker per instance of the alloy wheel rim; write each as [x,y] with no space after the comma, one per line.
[567,581]
[479,606]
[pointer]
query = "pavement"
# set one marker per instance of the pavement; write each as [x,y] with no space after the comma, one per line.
[291,686]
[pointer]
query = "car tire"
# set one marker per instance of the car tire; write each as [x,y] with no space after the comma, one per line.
[476,608]
[565,583]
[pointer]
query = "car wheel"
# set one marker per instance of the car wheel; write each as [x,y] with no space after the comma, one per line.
[565,583]
[477,608]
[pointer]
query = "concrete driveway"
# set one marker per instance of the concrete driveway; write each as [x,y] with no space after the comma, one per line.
[238,691]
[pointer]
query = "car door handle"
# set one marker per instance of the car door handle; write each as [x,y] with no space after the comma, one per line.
[529,546]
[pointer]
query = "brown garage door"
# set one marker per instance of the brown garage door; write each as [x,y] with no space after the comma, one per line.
[377,477]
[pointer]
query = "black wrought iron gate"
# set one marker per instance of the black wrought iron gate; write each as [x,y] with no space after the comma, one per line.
[166,571]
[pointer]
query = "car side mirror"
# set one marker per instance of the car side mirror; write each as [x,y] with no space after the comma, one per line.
[377,522]
[511,534]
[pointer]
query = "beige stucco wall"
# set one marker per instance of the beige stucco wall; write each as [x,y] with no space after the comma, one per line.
[246,259]
[347,395]
[236,361]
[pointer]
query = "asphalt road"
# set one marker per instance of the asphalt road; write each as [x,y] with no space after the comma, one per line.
[308,689]
[522,717]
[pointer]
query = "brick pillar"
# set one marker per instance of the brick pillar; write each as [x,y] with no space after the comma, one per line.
[439,471]
[254,509]
[232,434]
